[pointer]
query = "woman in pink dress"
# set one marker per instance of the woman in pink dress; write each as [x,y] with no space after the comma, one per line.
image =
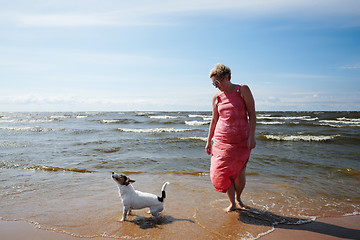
[232,130]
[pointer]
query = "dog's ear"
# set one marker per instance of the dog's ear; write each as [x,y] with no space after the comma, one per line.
[128,181]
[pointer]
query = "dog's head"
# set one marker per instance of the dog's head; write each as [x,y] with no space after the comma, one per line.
[121,179]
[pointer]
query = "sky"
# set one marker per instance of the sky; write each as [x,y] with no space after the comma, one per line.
[140,55]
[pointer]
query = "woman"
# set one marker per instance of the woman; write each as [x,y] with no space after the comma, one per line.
[233,129]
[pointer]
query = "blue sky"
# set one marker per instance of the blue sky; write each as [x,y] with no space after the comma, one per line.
[116,55]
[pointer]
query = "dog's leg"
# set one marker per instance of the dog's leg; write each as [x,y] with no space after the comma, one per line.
[155,211]
[125,211]
[155,214]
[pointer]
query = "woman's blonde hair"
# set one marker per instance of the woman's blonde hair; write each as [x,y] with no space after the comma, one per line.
[220,71]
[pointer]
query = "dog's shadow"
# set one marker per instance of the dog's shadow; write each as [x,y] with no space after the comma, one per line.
[151,222]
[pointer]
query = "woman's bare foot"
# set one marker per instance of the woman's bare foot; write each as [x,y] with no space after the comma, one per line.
[242,205]
[230,208]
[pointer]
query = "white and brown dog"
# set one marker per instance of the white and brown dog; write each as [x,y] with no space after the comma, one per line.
[133,199]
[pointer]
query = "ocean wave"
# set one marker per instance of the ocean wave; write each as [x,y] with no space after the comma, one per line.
[58,169]
[155,130]
[164,117]
[271,123]
[81,116]
[352,214]
[204,117]
[349,119]
[29,129]
[111,150]
[204,139]
[350,172]
[110,121]
[305,118]
[28,121]
[341,122]
[306,138]
[13,144]
[124,121]
[331,125]
[187,173]
[197,123]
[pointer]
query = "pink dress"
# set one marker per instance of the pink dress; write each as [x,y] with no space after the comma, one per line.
[230,152]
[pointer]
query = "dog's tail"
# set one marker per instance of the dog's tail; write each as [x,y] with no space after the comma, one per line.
[163,194]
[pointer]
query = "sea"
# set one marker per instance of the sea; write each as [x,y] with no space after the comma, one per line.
[55,172]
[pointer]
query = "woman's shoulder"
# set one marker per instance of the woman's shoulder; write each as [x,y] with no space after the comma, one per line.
[244,90]
[243,86]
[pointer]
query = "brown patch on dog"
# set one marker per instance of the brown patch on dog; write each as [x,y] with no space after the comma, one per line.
[128,181]
[122,179]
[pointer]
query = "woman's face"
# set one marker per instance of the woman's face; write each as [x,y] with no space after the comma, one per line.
[217,82]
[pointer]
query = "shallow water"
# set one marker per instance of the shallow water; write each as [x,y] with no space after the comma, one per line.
[55,172]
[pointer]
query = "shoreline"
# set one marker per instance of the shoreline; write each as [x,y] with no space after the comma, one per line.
[344,227]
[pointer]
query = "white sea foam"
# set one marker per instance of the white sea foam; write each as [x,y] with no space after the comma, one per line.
[331,125]
[195,138]
[163,117]
[196,123]
[307,138]
[352,214]
[265,233]
[109,121]
[81,116]
[349,119]
[27,120]
[271,123]
[154,130]
[30,129]
[342,122]
[306,118]
[60,116]
[204,117]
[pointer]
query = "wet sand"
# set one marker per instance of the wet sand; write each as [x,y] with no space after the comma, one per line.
[67,209]
[325,228]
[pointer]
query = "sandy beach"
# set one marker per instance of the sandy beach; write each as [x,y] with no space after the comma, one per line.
[324,228]
[56,180]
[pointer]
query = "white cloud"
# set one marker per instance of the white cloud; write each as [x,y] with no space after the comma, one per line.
[123,13]
[309,101]
[351,67]
[302,76]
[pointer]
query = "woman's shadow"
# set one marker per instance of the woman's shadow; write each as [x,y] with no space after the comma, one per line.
[264,218]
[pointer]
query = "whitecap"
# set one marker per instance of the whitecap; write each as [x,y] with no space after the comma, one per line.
[109,121]
[271,123]
[195,138]
[196,123]
[342,122]
[163,117]
[349,119]
[306,118]
[153,130]
[306,138]
[30,129]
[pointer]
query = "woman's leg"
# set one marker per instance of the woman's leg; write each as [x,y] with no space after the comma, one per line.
[231,195]
[239,185]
